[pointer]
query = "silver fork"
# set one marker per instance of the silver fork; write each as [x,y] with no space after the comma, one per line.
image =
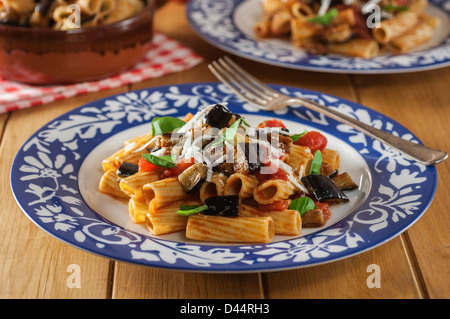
[260,95]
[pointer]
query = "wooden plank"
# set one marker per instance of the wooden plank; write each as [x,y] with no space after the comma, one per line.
[35,264]
[3,119]
[348,278]
[132,281]
[420,101]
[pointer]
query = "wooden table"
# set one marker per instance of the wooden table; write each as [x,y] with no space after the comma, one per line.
[414,264]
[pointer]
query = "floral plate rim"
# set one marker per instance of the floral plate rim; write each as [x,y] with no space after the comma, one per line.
[54,154]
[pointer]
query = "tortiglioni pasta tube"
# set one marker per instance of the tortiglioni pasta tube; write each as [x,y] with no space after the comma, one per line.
[230,229]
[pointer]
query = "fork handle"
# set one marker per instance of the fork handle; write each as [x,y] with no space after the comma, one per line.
[418,152]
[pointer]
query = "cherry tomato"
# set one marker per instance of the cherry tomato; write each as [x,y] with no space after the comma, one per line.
[271,123]
[180,168]
[400,3]
[325,207]
[314,140]
[270,172]
[146,166]
[280,205]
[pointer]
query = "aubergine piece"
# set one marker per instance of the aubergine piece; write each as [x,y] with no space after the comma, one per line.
[218,116]
[333,174]
[224,168]
[344,182]
[227,206]
[240,164]
[324,189]
[313,218]
[327,169]
[127,169]
[193,177]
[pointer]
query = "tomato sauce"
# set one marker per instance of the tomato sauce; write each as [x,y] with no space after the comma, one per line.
[270,172]
[180,168]
[280,205]
[325,207]
[271,123]
[314,140]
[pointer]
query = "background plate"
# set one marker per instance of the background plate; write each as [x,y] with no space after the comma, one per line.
[228,25]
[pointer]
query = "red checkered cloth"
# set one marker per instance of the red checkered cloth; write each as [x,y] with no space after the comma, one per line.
[166,56]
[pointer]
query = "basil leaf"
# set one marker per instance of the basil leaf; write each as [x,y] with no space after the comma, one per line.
[302,204]
[186,210]
[316,164]
[393,8]
[167,124]
[244,122]
[229,133]
[295,137]
[326,18]
[166,161]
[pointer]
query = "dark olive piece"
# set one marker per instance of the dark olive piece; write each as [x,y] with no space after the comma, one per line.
[227,206]
[127,169]
[218,116]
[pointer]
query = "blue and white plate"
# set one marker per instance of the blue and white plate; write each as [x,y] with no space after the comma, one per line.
[56,173]
[228,25]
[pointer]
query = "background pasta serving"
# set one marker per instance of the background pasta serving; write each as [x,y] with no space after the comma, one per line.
[354,28]
[59,14]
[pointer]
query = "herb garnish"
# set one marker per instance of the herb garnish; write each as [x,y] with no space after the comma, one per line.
[229,133]
[316,163]
[295,137]
[167,124]
[166,161]
[394,8]
[302,204]
[325,18]
[186,210]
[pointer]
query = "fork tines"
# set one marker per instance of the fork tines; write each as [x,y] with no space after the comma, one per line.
[241,82]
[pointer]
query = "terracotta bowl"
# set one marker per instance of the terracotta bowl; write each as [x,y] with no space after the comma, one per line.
[46,56]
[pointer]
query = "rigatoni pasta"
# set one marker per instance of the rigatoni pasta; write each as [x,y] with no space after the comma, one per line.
[213,187]
[286,222]
[218,179]
[109,185]
[165,220]
[240,184]
[232,229]
[273,190]
[133,185]
[395,27]
[138,209]
[164,192]
[421,33]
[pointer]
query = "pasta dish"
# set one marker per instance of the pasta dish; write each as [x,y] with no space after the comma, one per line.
[349,27]
[67,14]
[219,179]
